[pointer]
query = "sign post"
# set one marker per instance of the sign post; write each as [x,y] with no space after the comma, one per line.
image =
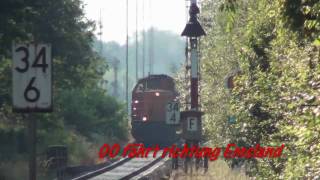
[33,148]
[32,88]
[173,119]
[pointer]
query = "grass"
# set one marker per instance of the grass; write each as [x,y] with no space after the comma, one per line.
[218,170]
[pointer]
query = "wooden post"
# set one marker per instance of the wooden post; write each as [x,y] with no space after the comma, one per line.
[32,148]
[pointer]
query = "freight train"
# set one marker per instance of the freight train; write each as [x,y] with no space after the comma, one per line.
[148,110]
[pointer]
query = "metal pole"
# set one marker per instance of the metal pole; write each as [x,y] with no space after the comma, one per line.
[100,33]
[127,54]
[137,48]
[115,83]
[194,74]
[193,31]
[32,123]
[143,40]
[151,52]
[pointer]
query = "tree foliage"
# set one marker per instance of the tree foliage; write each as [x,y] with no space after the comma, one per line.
[271,49]
[83,112]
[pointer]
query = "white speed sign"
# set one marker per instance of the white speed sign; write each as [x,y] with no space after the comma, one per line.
[32,76]
[173,113]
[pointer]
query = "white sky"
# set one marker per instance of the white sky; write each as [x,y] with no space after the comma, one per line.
[162,14]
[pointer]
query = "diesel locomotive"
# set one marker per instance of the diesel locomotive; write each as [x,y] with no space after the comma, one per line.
[148,110]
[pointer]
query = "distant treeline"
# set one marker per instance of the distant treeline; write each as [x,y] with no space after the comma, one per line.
[168,55]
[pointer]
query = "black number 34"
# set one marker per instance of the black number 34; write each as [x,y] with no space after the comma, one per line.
[37,63]
[31,93]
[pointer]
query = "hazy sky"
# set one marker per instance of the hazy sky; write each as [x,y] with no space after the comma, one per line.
[162,14]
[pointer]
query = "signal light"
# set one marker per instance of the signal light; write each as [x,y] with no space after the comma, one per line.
[144,119]
[157,94]
[193,28]
[136,101]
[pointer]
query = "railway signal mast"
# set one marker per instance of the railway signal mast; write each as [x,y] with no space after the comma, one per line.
[191,119]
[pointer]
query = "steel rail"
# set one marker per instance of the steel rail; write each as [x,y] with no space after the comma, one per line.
[130,169]
[102,170]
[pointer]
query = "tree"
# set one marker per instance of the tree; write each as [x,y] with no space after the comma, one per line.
[275,47]
[77,72]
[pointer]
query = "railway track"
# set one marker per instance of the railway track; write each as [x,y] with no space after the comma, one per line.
[129,168]
[126,168]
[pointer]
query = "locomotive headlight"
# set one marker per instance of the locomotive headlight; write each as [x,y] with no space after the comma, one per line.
[134,108]
[144,119]
[157,94]
[136,101]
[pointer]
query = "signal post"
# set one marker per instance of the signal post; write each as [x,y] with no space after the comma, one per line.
[191,119]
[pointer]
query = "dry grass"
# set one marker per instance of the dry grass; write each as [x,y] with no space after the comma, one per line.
[218,170]
[15,170]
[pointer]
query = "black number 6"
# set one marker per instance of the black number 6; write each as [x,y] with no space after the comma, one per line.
[31,88]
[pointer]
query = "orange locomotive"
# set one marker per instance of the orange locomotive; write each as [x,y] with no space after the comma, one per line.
[148,110]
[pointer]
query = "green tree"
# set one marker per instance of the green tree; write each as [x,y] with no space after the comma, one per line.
[83,113]
[274,50]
